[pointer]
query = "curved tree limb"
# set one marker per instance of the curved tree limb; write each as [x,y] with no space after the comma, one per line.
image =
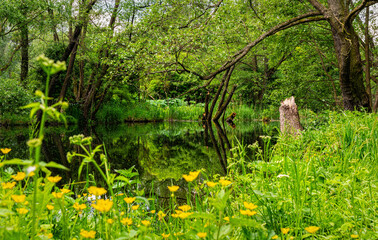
[307,17]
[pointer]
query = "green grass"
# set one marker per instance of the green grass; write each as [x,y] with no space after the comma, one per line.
[324,178]
[113,112]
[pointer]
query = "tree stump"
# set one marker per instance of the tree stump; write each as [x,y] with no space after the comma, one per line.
[289,117]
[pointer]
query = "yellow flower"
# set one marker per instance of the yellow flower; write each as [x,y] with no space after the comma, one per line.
[26,203]
[194,174]
[165,236]
[57,194]
[312,229]
[88,234]
[153,211]
[201,234]
[54,179]
[79,207]
[50,235]
[191,176]
[8,185]
[146,223]
[103,205]
[18,198]
[50,207]
[173,188]
[188,178]
[250,206]
[285,230]
[110,221]
[227,219]
[129,200]
[224,183]
[127,221]
[354,236]
[161,215]
[184,215]
[20,176]
[5,150]
[65,190]
[135,207]
[96,191]
[184,208]
[248,212]
[31,174]
[275,237]
[22,210]
[211,184]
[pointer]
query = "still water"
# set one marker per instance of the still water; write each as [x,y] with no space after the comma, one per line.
[160,152]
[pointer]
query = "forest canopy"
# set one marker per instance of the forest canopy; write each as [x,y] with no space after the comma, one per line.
[252,52]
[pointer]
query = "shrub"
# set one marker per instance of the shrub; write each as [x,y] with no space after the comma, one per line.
[13,96]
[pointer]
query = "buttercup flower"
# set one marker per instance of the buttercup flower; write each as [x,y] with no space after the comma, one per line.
[18,198]
[165,236]
[354,236]
[250,206]
[146,223]
[103,205]
[248,212]
[173,188]
[19,176]
[184,215]
[54,179]
[285,230]
[96,191]
[22,210]
[110,221]
[227,219]
[194,174]
[50,207]
[224,183]
[65,190]
[129,200]
[201,234]
[127,221]
[79,207]
[312,229]
[211,184]
[135,207]
[8,185]
[57,194]
[5,150]
[88,234]
[275,237]
[191,176]
[184,208]
[31,174]
[161,215]
[153,211]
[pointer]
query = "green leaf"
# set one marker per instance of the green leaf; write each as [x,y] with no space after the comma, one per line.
[16,161]
[56,165]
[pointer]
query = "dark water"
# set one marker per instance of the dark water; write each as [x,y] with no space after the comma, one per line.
[160,152]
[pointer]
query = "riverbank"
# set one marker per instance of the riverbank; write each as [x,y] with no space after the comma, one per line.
[319,185]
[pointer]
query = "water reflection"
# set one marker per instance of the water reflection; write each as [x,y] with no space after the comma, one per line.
[159,151]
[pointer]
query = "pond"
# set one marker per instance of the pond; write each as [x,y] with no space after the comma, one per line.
[161,152]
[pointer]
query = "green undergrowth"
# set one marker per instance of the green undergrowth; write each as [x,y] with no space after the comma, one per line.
[319,185]
[160,110]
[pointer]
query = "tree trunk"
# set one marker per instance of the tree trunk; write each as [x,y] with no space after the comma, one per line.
[350,69]
[289,117]
[24,52]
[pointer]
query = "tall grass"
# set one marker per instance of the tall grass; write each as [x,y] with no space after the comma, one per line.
[113,112]
[319,185]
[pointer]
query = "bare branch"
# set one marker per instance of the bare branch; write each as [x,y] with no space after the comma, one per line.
[307,17]
[352,15]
